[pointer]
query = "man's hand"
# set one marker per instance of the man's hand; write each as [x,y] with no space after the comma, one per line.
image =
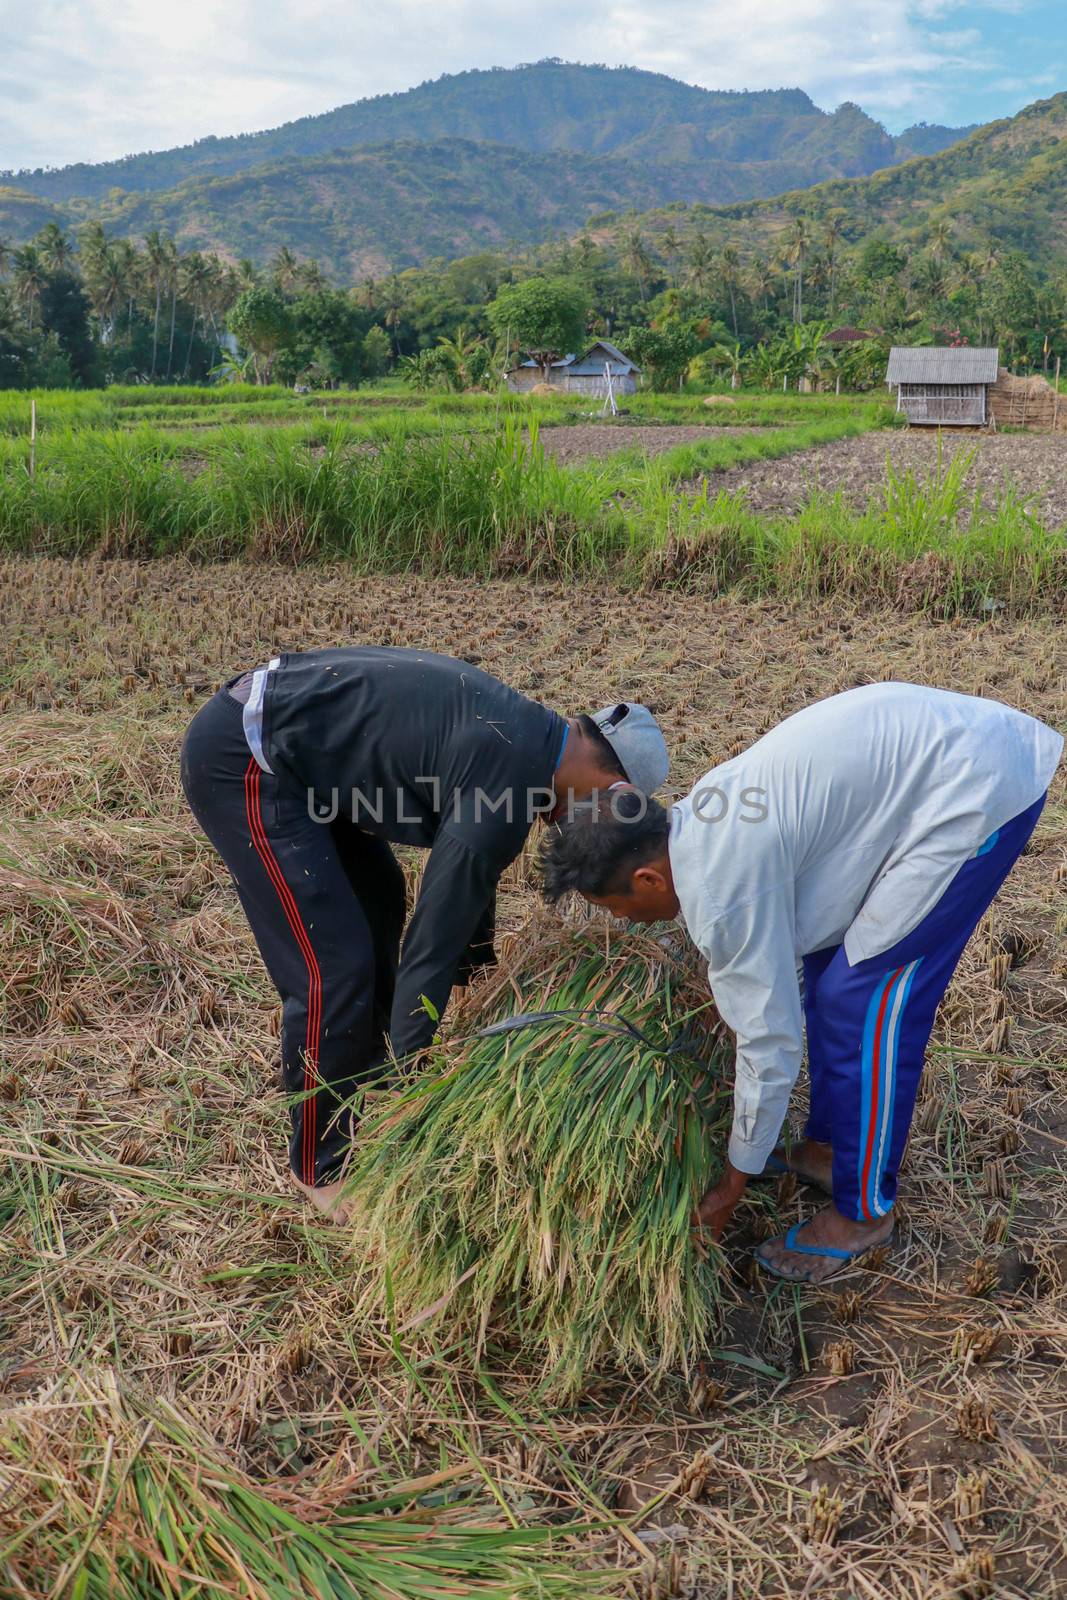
[717,1206]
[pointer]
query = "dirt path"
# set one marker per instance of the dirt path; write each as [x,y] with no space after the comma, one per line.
[595,440]
[1034,464]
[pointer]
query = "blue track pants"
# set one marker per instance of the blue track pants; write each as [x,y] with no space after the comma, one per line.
[868,1027]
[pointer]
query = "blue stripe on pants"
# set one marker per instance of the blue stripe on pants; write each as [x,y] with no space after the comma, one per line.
[868,1026]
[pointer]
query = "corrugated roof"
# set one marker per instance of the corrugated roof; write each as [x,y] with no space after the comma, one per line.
[614,352]
[924,364]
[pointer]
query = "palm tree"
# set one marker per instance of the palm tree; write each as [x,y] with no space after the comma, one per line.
[699,262]
[53,247]
[586,252]
[672,248]
[761,278]
[195,280]
[5,255]
[940,239]
[368,293]
[795,254]
[284,269]
[30,278]
[394,310]
[311,277]
[172,285]
[831,238]
[635,254]
[730,272]
[247,274]
[130,266]
[106,282]
[155,254]
[92,242]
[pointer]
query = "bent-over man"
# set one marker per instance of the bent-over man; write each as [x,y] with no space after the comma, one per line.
[304,771]
[860,841]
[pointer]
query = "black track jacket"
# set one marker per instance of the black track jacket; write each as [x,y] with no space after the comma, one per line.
[424,750]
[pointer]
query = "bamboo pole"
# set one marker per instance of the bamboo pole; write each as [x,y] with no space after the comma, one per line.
[33,439]
[1056,401]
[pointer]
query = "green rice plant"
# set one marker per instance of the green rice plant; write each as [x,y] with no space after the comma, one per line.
[105,1497]
[535,1186]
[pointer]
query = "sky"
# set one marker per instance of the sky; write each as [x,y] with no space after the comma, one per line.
[88,80]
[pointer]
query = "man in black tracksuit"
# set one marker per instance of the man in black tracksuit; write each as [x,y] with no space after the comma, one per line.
[303,772]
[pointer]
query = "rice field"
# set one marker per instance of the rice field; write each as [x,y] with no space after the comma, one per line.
[205,1389]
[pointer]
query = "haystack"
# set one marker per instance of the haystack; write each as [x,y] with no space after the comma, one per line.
[534,1188]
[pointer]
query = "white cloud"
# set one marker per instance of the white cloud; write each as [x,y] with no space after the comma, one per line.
[91,79]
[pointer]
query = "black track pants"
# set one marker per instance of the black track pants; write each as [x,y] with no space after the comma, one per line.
[326,905]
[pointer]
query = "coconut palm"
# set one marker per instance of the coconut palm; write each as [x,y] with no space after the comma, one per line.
[831,238]
[700,263]
[156,266]
[5,255]
[761,279]
[29,278]
[796,254]
[394,310]
[106,282]
[730,272]
[310,277]
[635,254]
[54,247]
[172,285]
[195,276]
[672,248]
[284,269]
[940,239]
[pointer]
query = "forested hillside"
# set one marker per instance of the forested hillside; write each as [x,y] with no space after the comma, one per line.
[1006,184]
[398,179]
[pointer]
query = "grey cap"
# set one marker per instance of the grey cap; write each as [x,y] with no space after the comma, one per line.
[634,735]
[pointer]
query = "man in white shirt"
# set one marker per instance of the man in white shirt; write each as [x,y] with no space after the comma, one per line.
[861,841]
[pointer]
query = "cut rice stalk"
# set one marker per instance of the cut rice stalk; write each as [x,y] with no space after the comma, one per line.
[104,1497]
[535,1186]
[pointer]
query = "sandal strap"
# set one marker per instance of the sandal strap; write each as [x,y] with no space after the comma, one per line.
[790,1242]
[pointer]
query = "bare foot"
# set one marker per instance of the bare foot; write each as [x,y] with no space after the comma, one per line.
[812,1162]
[327,1198]
[828,1230]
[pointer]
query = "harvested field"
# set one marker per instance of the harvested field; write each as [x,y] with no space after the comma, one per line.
[1034,465]
[901,1432]
[595,440]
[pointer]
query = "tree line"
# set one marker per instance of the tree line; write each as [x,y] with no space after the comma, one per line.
[97,310]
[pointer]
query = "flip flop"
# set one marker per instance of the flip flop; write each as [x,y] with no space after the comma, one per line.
[827,1251]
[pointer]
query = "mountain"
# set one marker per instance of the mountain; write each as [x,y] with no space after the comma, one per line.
[365,211]
[1005,183]
[470,161]
[552,105]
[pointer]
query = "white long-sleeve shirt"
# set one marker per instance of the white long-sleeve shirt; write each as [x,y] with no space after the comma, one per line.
[844,824]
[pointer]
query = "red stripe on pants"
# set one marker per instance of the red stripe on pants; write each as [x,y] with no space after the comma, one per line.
[309,1132]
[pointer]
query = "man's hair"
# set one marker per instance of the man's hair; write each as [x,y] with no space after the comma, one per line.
[601,847]
[609,761]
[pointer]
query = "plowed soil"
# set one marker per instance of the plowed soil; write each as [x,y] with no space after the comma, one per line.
[1033,465]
